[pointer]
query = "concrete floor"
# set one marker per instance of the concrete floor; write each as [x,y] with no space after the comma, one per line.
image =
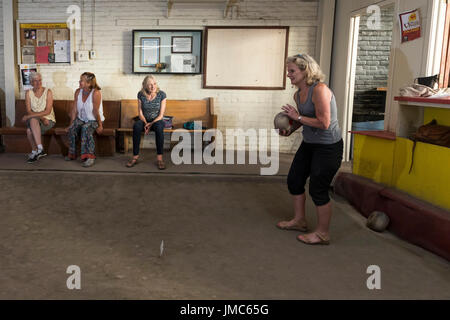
[218,228]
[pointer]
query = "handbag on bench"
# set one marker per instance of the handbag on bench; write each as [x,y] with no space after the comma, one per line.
[168,122]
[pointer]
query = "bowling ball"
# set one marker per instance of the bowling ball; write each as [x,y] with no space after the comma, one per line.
[282,122]
[378,221]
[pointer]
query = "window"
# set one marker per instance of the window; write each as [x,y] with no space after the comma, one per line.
[445,59]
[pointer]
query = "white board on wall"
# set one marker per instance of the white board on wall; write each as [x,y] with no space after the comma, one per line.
[246,58]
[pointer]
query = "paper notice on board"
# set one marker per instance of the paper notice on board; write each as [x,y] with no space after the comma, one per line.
[60,34]
[62,51]
[41,37]
[28,55]
[50,38]
[176,63]
[189,62]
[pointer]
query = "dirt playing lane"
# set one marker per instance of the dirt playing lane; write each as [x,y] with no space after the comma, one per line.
[219,235]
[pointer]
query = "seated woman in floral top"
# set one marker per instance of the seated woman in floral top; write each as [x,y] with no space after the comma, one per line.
[151,106]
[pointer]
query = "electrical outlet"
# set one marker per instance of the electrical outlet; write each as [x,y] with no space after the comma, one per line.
[82,55]
[92,54]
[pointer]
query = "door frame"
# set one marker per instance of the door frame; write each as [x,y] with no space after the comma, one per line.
[352,56]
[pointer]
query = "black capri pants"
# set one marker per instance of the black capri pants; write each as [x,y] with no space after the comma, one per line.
[319,162]
[157,127]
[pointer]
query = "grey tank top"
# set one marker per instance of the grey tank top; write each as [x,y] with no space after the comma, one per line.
[316,135]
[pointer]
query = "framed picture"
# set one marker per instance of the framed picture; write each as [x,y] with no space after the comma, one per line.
[167,51]
[181,44]
[150,51]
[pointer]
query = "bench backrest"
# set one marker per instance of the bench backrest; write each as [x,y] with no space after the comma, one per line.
[111,111]
[181,110]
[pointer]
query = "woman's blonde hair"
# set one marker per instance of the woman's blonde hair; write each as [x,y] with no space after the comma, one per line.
[92,80]
[307,64]
[144,83]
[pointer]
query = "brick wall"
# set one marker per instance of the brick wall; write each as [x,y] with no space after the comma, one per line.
[372,68]
[114,20]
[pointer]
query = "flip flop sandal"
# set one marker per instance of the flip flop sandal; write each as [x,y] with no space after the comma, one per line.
[293,228]
[132,163]
[322,241]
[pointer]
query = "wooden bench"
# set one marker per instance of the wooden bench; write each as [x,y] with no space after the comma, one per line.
[55,140]
[181,110]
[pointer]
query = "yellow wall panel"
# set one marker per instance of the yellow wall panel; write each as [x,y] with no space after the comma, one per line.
[430,176]
[388,162]
[373,158]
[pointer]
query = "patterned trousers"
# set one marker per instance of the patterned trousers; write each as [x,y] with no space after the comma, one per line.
[85,130]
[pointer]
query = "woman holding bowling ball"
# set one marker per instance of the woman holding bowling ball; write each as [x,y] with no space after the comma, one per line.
[320,154]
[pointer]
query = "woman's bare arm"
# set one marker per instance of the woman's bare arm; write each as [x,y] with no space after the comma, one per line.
[141,114]
[161,111]
[73,110]
[321,99]
[97,99]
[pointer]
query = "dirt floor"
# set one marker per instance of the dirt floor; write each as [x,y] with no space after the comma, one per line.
[220,241]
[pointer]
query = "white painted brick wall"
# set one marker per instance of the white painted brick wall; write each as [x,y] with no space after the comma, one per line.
[114,20]
[2,67]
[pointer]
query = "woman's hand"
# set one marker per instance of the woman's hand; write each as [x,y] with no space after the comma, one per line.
[45,121]
[25,118]
[291,112]
[148,127]
[285,133]
[99,129]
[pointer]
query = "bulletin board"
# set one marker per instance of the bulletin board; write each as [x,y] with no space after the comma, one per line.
[43,43]
[249,58]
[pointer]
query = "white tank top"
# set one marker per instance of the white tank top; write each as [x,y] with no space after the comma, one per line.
[85,109]
[40,104]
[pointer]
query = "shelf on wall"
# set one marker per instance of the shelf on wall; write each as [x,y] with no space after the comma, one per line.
[411,112]
[381,134]
[424,102]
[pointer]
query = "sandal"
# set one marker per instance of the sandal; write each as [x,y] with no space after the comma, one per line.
[161,165]
[322,241]
[296,227]
[133,162]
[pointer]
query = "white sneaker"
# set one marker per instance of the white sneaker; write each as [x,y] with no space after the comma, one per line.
[88,163]
[41,154]
[32,157]
[32,154]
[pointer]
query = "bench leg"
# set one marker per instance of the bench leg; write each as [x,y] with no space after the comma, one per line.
[125,142]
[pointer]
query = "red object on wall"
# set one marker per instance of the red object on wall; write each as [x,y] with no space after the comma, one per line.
[42,54]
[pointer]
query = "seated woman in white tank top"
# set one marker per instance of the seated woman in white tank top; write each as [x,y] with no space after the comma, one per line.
[86,116]
[40,116]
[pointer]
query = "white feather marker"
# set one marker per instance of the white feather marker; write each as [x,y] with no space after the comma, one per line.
[161,248]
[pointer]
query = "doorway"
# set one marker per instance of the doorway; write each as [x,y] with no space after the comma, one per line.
[369,53]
